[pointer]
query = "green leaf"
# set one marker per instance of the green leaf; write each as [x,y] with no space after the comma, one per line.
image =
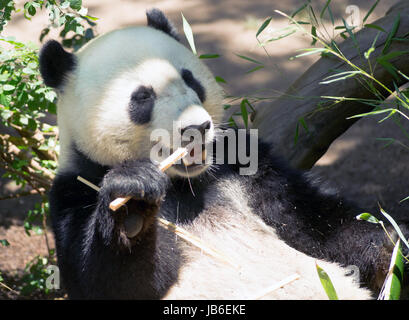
[372,113]
[367,217]
[340,76]
[395,226]
[367,54]
[351,33]
[220,79]
[255,69]
[370,11]
[297,131]
[325,8]
[91,18]
[249,59]
[75,4]
[232,123]
[388,141]
[189,34]
[326,283]
[297,11]
[392,55]
[388,66]
[209,56]
[303,123]
[5,100]
[4,243]
[314,35]
[391,34]
[374,26]
[404,199]
[65,4]
[244,112]
[31,10]
[263,26]
[392,286]
[310,51]
[291,30]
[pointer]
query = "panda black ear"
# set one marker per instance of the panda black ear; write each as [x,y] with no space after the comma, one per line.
[157,20]
[55,63]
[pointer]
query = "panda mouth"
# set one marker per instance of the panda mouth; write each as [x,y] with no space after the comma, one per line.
[194,162]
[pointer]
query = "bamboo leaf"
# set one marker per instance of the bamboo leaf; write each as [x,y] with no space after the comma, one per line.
[310,51]
[255,69]
[249,59]
[4,242]
[325,8]
[220,79]
[232,123]
[331,15]
[209,56]
[314,35]
[393,55]
[326,283]
[341,76]
[297,11]
[297,131]
[263,26]
[351,34]
[189,34]
[244,112]
[291,31]
[404,199]
[389,141]
[391,288]
[367,217]
[374,26]
[370,11]
[395,226]
[372,48]
[388,66]
[391,34]
[372,113]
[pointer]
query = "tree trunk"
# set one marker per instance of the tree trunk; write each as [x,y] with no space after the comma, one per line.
[277,122]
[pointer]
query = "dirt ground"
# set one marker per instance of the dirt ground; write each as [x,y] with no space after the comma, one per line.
[356,163]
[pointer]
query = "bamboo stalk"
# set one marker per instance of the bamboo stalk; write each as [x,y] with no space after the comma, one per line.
[164,165]
[185,235]
[276,286]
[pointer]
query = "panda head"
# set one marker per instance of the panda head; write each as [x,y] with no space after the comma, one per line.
[125,86]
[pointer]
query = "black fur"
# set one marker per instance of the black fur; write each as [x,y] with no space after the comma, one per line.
[97,261]
[141,105]
[194,84]
[55,63]
[156,19]
[89,237]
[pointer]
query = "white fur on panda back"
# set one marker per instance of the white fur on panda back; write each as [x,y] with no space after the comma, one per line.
[261,257]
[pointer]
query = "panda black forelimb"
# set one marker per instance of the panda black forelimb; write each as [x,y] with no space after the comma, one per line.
[317,222]
[145,183]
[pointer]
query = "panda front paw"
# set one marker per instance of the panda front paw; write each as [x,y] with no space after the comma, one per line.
[146,184]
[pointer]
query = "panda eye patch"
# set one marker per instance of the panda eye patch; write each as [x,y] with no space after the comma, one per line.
[141,104]
[143,93]
[194,84]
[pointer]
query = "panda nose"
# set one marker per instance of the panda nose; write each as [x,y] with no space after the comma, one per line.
[201,128]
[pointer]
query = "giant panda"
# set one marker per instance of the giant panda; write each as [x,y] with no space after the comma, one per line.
[267,226]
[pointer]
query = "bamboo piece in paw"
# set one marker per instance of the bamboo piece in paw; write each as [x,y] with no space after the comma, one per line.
[188,237]
[164,165]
